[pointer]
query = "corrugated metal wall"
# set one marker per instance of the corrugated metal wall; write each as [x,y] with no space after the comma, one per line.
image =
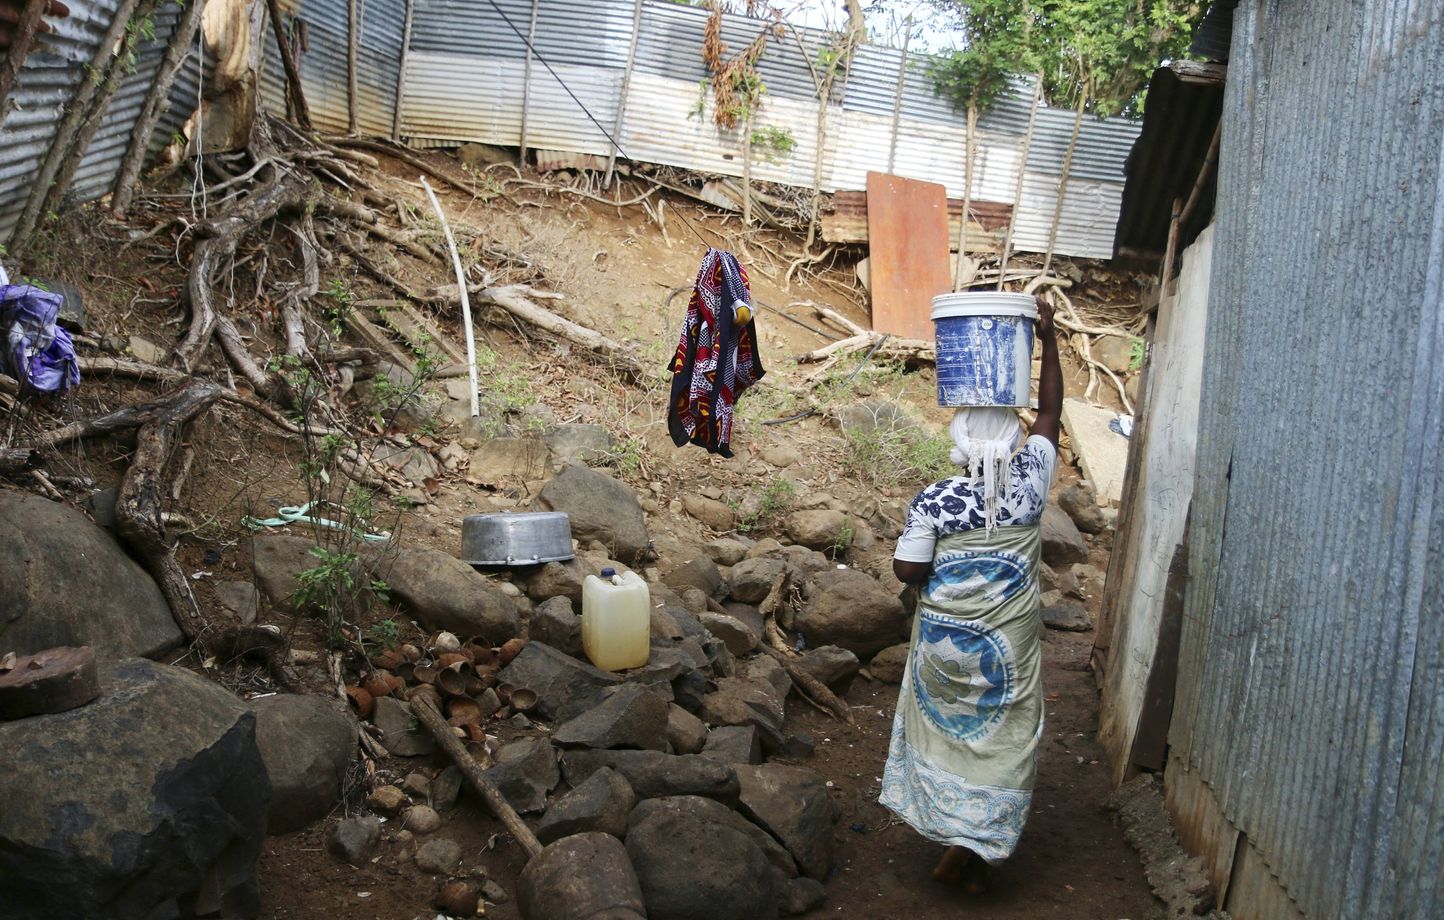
[465,75]
[51,75]
[1311,687]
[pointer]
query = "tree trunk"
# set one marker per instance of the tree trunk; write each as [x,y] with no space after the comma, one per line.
[65,135]
[25,29]
[353,50]
[968,158]
[156,102]
[288,62]
[1022,173]
[1063,179]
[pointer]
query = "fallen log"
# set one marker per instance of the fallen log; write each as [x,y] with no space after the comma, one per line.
[428,715]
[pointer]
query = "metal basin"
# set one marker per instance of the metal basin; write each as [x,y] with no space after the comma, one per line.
[520,538]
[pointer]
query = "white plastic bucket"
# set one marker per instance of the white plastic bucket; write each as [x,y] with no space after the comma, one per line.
[985,347]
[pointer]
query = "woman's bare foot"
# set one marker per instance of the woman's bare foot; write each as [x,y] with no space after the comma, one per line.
[961,866]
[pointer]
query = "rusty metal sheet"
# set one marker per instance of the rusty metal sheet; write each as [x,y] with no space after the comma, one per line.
[846,222]
[908,247]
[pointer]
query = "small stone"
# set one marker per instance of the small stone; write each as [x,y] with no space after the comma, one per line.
[353,839]
[890,664]
[631,717]
[459,897]
[1067,616]
[556,623]
[525,771]
[710,512]
[438,856]
[793,804]
[146,351]
[600,804]
[686,733]
[801,895]
[1062,542]
[699,572]
[765,670]
[781,457]
[694,599]
[417,785]
[386,799]
[421,819]
[726,551]
[446,789]
[833,665]
[752,579]
[652,773]
[733,744]
[578,877]
[818,530]
[1080,503]
[738,637]
[797,747]
[241,598]
[401,736]
[558,579]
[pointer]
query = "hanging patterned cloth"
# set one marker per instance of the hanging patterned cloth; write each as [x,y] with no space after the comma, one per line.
[716,358]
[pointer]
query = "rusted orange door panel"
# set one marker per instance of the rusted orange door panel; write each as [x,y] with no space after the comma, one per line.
[907,231]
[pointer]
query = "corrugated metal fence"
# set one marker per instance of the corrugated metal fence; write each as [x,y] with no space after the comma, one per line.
[52,73]
[1310,705]
[464,82]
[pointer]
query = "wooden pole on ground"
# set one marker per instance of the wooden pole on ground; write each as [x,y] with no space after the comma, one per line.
[465,297]
[353,51]
[428,715]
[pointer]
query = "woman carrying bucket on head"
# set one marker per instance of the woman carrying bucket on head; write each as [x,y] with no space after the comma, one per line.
[969,717]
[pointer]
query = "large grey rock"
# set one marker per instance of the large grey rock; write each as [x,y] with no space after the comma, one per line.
[851,609]
[1062,543]
[686,733]
[354,839]
[711,811]
[631,717]
[601,508]
[556,624]
[500,459]
[831,664]
[240,598]
[601,804]
[818,530]
[415,464]
[766,671]
[525,771]
[698,572]
[889,664]
[693,869]
[792,804]
[400,733]
[1080,503]
[306,743]
[651,773]
[67,582]
[577,443]
[726,551]
[150,801]
[709,511]
[733,744]
[752,579]
[443,592]
[565,687]
[582,877]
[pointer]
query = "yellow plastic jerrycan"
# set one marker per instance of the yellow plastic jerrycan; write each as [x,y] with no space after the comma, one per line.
[616,620]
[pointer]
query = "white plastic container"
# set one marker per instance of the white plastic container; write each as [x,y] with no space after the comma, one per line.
[985,347]
[616,620]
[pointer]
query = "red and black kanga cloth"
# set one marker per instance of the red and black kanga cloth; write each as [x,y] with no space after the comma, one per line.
[716,358]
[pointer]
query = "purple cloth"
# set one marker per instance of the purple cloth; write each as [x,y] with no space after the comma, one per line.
[37,352]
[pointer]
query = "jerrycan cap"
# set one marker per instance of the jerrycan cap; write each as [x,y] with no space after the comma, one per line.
[609,573]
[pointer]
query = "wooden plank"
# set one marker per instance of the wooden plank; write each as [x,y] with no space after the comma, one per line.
[846,221]
[1150,740]
[908,244]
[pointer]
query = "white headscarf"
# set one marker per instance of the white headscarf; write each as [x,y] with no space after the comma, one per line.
[984,441]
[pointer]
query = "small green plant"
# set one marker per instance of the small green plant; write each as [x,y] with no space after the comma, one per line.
[627,456]
[337,588]
[774,143]
[384,634]
[843,541]
[1137,352]
[338,307]
[760,511]
[897,456]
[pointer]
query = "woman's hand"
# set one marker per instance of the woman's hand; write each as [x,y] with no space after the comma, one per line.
[1044,324]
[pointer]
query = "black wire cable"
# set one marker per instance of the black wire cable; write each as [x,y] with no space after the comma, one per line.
[544,63]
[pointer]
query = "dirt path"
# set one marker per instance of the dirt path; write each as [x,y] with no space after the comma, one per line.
[1072,861]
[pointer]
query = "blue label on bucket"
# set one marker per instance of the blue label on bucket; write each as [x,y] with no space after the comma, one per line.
[984,360]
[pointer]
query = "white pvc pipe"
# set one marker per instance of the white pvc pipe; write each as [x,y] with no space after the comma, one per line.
[465,297]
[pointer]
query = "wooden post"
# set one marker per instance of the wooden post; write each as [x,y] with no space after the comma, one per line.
[526,79]
[464,294]
[401,71]
[156,102]
[353,50]
[747,171]
[970,145]
[626,88]
[25,29]
[1063,179]
[1022,172]
[288,62]
[897,96]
